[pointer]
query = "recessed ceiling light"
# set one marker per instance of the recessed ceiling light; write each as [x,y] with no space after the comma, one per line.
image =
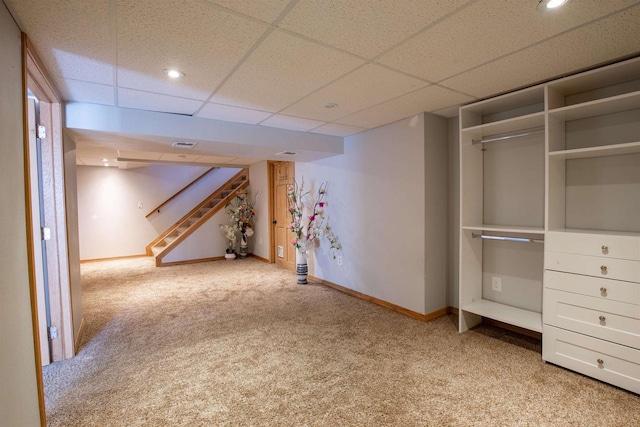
[330,105]
[106,165]
[551,4]
[104,160]
[173,73]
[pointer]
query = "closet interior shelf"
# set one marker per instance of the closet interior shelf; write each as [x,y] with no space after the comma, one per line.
[511,135]
[506,238]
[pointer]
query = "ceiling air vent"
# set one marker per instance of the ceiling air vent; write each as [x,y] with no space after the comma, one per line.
[184,144]
[286,153]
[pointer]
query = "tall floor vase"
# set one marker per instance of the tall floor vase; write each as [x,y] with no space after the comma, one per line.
[301,267]
[243,246]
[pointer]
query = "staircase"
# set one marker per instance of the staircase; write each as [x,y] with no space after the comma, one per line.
[189,223]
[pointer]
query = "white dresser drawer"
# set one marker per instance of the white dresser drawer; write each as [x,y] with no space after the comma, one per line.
[608,268]
[613,363]
[613,290]
[594,244]
[609,320]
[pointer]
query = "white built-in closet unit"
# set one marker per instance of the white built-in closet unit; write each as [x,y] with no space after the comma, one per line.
[550,218]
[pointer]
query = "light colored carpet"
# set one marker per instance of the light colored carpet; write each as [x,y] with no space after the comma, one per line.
[238,343]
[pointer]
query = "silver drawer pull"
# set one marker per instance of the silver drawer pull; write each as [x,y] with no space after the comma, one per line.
[602,319]
[605,249]
[603,292]
[603,269]
[600,362]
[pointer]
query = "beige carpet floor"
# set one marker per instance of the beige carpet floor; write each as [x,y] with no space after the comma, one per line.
[238,343]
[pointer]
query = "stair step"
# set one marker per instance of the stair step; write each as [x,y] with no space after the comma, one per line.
[156,250]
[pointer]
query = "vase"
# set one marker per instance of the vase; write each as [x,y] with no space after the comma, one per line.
[242,253]
[230,256]
[301,267]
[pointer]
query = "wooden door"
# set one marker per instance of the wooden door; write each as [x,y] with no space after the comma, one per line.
[285,254]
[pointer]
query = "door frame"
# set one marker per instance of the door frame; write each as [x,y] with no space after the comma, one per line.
[271,178]
[36,79]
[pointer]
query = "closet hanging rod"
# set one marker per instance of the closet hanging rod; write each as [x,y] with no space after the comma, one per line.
[506,238]
[502,137]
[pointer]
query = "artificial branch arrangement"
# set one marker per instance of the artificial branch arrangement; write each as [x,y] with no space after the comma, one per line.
[308,230]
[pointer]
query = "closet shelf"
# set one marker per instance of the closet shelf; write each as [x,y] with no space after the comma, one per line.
[505,126]
[614,104]
[601,151]
[505,313]
[505,228]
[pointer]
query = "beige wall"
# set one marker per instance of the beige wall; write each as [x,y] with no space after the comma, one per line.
[18,385]
[376,206]
[73,239]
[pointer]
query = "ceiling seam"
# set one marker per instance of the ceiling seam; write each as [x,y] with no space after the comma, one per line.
[577,27]
[368,61]
[249,52]
[424,29]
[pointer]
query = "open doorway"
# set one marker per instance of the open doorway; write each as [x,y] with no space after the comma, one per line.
[52,215]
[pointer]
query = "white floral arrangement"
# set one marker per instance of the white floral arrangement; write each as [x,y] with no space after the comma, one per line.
[230,232]
[308,230]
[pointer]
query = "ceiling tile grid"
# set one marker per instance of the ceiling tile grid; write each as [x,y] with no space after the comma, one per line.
[72,38]
[278,63]
[83,91]
[291,123]
[232,114]
[430,98]
[264,10]
[366,86]
[199,39]
[129,98]
[365,28]
[337,129]
[595,43]
[282,70]
[487,30]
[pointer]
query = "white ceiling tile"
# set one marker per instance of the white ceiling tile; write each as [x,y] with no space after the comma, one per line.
[129,98]
[291,123]
[72,38]
[369,85]
[486,30]
[214,159]
[199,39]
[81,91]
[265,10]
[365,27]
[232,114]
[337,129]
[139,155]
[282,70]
[601,41]
[430,98]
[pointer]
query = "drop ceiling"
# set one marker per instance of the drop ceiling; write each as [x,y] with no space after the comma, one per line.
[278,63]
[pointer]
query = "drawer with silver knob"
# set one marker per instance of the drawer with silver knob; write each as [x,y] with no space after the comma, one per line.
[613,290]
[617,269]
[613,363]
[613,321]
[604,244]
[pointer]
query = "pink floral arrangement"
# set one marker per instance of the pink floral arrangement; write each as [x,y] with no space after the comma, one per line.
[242,210]
[309,229]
